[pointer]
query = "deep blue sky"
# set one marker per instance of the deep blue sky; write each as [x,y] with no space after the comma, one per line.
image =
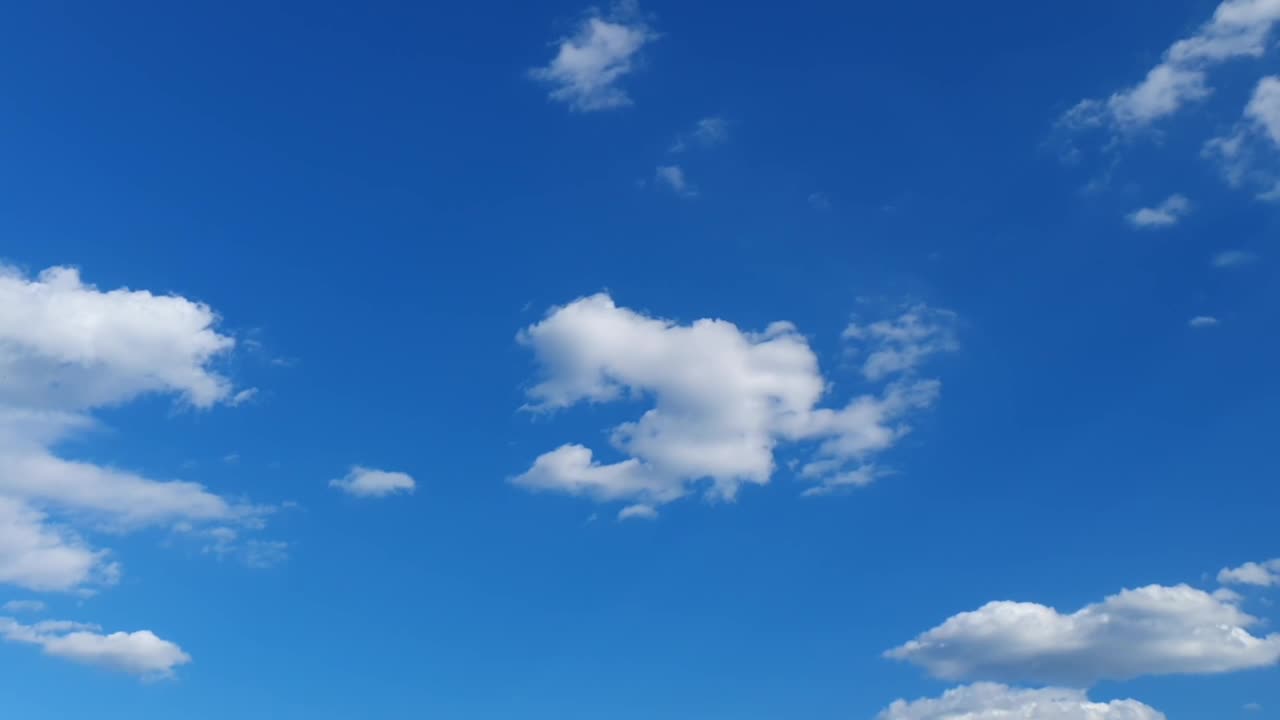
[380,197]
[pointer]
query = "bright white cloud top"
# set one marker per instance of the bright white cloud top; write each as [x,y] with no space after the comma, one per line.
[988,701]
[366,482]
[66,349]
[723,400]
[1238,29]
[139,653]
[1154,630]
[588,67]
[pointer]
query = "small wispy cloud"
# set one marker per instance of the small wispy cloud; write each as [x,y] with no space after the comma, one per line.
[819,201]
[588,66]
[243,397]
[1203,321]
[1229,259]
[707,132]
[673,177]
[1166,214]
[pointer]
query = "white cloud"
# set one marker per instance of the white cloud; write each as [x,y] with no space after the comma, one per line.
[242,397]
[17,607]
[37,556]
[1264,574]
[66,350]
[589,65]
[901,344]
[1200,322]
[723,400]
[707,132]
[1154,630]
[988,701]
[1234,259]
[1264,107]
[638,512]
[672,176]
[1238,29]
[370,483]
[67,345]
[1258,133]
[1166,214]
[139,653]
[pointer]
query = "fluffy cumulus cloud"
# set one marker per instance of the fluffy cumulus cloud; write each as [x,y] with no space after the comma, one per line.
[139,653]
[1166,214]
[1238,29]
[723,400]
[366,482]
[1260,574]
[66,350]
[988,701]
[1154,630]
[589,65]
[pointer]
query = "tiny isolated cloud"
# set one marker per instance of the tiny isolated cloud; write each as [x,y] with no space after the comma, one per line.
[1258,574]
[589,65]
[1253,707]
[141,653]
[366,482]
[707,132]
[1166,214]
[819,201]
[991,701]
[1231,259]
[1201,322]
[638,512]
[673,178]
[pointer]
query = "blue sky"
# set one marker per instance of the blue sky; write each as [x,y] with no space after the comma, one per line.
[534,360]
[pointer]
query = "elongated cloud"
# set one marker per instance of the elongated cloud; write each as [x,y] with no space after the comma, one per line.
[1166,214]
[1154,630]
[988,701]
[369,483]
[1260,574]
[139,653]
[1238,29]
